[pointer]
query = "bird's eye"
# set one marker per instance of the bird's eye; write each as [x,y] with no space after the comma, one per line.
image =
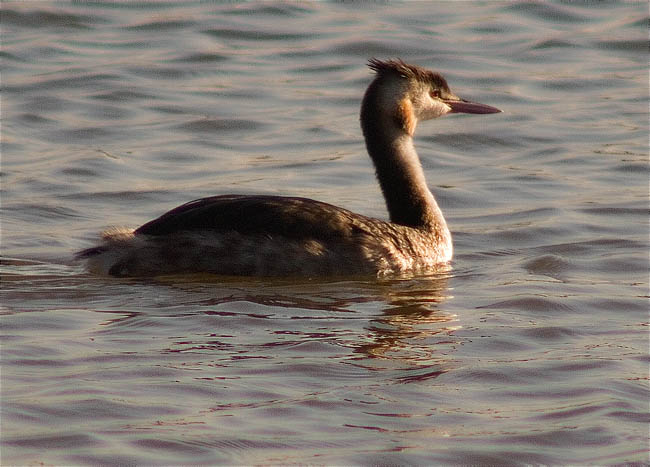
[435,93]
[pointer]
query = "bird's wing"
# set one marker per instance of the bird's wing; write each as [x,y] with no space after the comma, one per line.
[271,215]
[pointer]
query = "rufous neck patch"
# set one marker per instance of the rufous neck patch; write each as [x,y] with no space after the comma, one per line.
[405,116]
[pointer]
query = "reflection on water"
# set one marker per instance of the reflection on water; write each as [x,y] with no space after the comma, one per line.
[404,325]
[532,349]
[411,325]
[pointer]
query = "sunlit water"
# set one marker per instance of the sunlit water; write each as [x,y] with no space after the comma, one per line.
[532,348]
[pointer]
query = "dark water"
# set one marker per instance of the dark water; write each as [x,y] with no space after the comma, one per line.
[531,349]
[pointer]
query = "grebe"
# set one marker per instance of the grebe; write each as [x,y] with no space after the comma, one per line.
[289,236]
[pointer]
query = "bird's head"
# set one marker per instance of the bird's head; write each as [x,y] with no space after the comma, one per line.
[410,93]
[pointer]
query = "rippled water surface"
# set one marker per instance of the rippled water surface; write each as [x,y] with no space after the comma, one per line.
[531,348]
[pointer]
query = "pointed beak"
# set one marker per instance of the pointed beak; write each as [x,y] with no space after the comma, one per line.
[467,107]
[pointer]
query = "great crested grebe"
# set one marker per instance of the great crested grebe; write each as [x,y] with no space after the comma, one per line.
[289,236]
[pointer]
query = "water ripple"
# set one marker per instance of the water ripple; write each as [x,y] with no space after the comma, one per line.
[530,348]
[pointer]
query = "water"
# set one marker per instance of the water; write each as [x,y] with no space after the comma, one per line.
[533,348]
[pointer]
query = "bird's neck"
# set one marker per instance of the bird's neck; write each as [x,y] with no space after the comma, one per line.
[399,172]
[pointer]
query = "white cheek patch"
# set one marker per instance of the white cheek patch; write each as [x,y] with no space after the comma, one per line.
[441,108]
[435,109]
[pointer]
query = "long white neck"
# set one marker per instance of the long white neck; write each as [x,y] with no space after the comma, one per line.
[389,140]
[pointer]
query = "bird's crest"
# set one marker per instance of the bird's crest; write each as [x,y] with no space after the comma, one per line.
[383,67]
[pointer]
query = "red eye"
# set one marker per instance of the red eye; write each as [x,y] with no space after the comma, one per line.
[434,93]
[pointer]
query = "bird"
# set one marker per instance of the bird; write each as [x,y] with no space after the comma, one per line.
[266,235]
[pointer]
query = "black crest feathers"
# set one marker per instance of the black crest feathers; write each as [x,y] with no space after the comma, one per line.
[397,66]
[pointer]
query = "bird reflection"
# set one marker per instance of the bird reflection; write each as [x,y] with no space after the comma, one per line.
[399,321]
[413,328]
